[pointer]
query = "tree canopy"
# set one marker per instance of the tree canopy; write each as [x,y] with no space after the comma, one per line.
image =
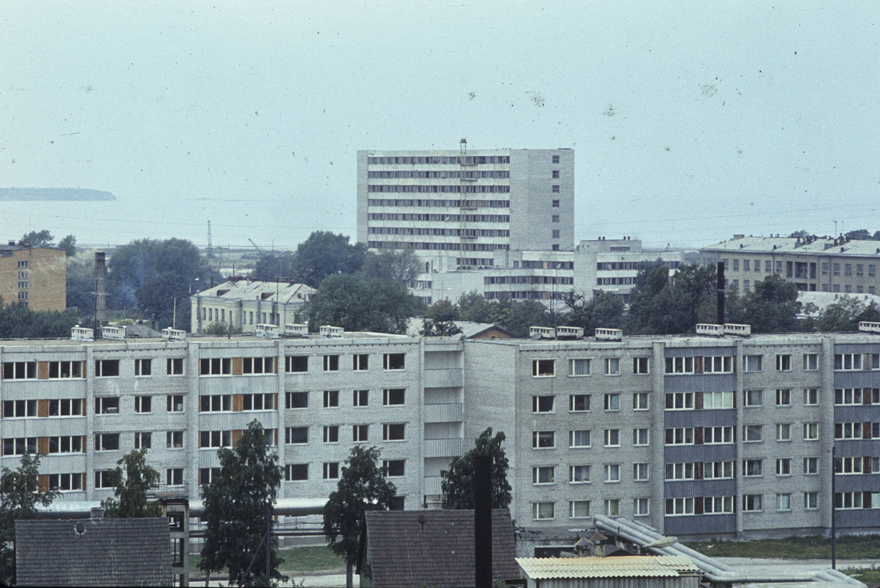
[392,266]
[273,266]
[771,308]
[362,305]
[45,239]
[20,495]
[361,487]
[439,320]
[20,322]
[664,307]
[325,254]
[131,482]
[458,481]
[238,508]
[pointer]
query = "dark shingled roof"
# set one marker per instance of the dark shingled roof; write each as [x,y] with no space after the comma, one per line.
[403,553]
[110,552]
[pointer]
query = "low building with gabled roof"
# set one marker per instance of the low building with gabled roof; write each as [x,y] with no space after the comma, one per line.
[244,304]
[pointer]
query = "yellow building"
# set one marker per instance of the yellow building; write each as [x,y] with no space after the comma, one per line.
[36,278]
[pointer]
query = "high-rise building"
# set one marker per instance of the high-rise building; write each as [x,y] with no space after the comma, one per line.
[457,208]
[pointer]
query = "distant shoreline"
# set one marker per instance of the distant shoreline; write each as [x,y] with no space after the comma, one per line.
[56,194]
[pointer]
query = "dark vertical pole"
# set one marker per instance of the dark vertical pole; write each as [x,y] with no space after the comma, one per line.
[483,521]
[720,318]
[833,508]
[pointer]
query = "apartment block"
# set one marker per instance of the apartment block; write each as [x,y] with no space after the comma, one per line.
[36,278]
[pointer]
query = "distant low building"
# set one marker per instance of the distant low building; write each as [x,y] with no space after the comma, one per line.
[33,277]
[246,303]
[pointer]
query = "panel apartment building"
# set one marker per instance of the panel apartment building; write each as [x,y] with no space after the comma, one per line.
[456,209]
[33,277]
[696,436]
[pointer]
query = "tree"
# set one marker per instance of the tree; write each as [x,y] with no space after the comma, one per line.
[772,308]
[605,309]
[20,322]
[392,266]
[439,320]
[81,285]
[131,482]
[362,487]
[238,508]
[20,494]
[37,239]
[324,254]
[362,305]
[660,306]
[458,481]
[271,267]
[68,244]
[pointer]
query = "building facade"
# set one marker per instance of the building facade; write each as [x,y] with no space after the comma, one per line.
[36,278]
[695,436]
[814,264]
[243,304]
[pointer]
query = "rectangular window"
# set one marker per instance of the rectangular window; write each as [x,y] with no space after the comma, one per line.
[102,479]
[849,500]
[143,404]
[142,440]
[174,403]
[680,401]
[641,472]
[143,367]
[331,398]
[257,365]
[360,363]
[612,472]
[811,500]
[394,468]
[20,445]
[679,365]
[331,434]
[174,366]
[13,409]
[252,402]
[579,474]
[718,470]
[811,431]
[753,398]
[554,203]
[394,361]
[783,432]
[331,470]
[20,370]
[640,401]
[612,402]
[543,475]
[393,396]
[296,472]
[106,441]
[296,435]
[680,436]
[543,511]
[753,468]
[66,482]
[783,397]
[753,363]
[640,365]
[360,398]
[612,507]
[66,444]
[65,369]
[783,466]
[554,218]
[641,507]
[612,366]
[543,368]
[174,440]
[848,361]
[174,477]
[811,362]
[360,433]
[208,475]
[612,437]
[579,509]
[393,432]
[542,404]
[579,439]
[680,471]
[848,396]
[295,400]
[718,364]
[717,504]
[679,506]
[218,366]
[106,368]
[578,367]
[714,400]
[811,396]
[331,363]
[753,433]
[579,402]
[641,437]
[811,466]
[296,364]
[107,405]
[783,363]
[215,403]
[543,439]
[717,435]
[753,503]
[554,159]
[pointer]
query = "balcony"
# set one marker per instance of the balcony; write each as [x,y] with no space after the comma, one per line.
[444,413]
[432,485]
[443,447]
[444,378]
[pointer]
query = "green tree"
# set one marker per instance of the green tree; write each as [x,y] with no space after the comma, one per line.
[660,306]
[458,481]
[273,266]
[238,506]
[772,308]
[20,495]
[131,483]
[604,309]
[81,285]
[68,244]
[440,320]
[846,314]
[392,266]
[325,254]
[20,322]
[362,305]
[37,239]
[361,487]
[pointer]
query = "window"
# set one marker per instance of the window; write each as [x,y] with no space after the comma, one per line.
[555,159]
[717,504]
[718,470]
[612,402]
[811,362]
[811,500]
[360,398]
[811,396]
[640,365]
[848,361]
[66,482]
[579,439]
[555,188]
[258,365]
[106,441]
[21,408]
[331,470]
[848,396]
[393,432]
[174,366]
[218,366]
[640,401]
[579,402]
[296,435]
[66,444]
[296,472]
[579,509]
[753,363]
[174,439]
[811,431]
[543,439]
[578,367]
[783,502]
[679,365]
[783,363]
[174,477]
[108,405]
[20,370]
[331,363]
[849,431]
[851,465]
[215,403]
[555,173]
[612,472]
[679,506]
[811,466]
[394,468]
[612,366]
[612,507]
[65,369]
[641,472]
[143,404]
[753,433]
[360,433]
[394,361]
[143,367]
[736,265]
[142,440]
[680,436]
[20,445]
[544,475]
[713,400]
[783,466]
[393,397]
[543,368]
[296,364]
[554,203]
[680,401]
[360,363]
[106,368]
[258,402]
[641,507]
[296,400]
[543,511]
[579,474]
[641,437]
[753,398]
[612,437]
[783,432]
[753,468]
[208,475]
[102,479]
[680,471]
[752,503]
[848,500]
[212,439]
[717,435]
[783,397]
[718,364]
[331,398]
[542,404]
[554,218]
[331,434]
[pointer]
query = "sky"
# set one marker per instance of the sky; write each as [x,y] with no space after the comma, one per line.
[690,121]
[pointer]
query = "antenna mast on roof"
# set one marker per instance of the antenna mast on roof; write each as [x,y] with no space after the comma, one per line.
[210,253]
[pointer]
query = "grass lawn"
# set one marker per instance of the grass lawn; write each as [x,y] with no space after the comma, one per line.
[848,547]
[870,576]
[297,560]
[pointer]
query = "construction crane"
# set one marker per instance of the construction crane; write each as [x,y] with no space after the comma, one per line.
[210,254]
[260,249]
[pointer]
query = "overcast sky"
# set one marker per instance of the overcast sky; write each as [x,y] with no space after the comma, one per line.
[690,121]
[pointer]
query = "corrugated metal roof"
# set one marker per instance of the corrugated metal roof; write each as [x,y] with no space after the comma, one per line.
[637,566]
